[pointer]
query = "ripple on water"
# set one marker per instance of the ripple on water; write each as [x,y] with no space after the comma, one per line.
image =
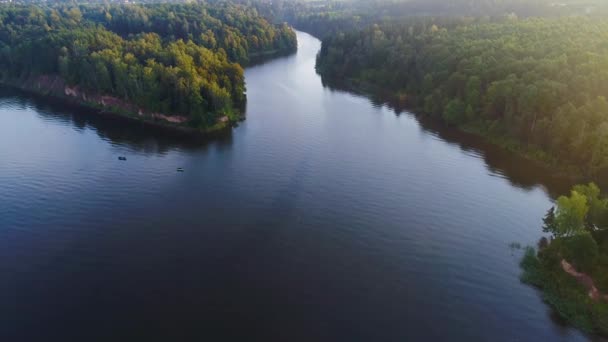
[321,217]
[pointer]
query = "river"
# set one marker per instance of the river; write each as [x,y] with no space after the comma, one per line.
[322,217]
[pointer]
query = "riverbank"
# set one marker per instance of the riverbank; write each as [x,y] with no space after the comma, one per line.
[263,57]
[507,81]
[56,88]
[569,295]
[317,200]
[571,268]
[399,101]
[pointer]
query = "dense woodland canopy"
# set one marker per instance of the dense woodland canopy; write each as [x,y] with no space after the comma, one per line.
[321,17]
[169,58]
[530,74]
[540,81]
[239,30]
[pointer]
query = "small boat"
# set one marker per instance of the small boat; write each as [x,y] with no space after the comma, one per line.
[122,158]
[179,169]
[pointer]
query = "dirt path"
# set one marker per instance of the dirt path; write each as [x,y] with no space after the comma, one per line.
[584,279]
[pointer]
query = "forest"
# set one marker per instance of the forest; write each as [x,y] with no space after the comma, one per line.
[326,17]
[175,59]
[530,76]
[540,81]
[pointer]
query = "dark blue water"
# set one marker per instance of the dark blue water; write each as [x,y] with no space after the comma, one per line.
[322,217]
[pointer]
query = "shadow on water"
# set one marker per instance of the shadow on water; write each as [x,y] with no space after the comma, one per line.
[151,139]
[520,172]
[265,59]
[138,136]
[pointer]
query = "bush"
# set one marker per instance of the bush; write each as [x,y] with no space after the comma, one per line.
[532,268]
[568,298]
[582,251]
[600,276]
[454,112]
[551,256]
[599,315]
[601,237]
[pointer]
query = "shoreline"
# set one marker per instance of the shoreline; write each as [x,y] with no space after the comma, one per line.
[263,57]
[58,91]
[571,294]
[398,102]
[54,94]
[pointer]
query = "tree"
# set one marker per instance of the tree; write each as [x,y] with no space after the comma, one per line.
[549,224]
[582,251]
[473,89]
[454,112]
[570,215]
[537,82]
[75,14]
[598,207]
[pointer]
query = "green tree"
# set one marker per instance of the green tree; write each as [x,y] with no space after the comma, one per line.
[582,251]
[454,112]
[549,224]
[598,207]
[570,215]
[157,58]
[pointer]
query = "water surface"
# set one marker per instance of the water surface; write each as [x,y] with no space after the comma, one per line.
[322,217]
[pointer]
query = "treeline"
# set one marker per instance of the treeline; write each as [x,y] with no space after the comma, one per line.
[541,82]
[326,17]
[578,225]
[239,30]
[171,59]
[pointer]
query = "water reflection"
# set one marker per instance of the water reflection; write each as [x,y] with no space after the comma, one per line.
[318,210]
[149,139]
[137,136]
[265,59]
[519,171]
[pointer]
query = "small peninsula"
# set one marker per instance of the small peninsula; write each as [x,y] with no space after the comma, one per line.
[571,267]
[177,65]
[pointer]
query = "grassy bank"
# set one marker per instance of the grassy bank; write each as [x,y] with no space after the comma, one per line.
[564,294]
